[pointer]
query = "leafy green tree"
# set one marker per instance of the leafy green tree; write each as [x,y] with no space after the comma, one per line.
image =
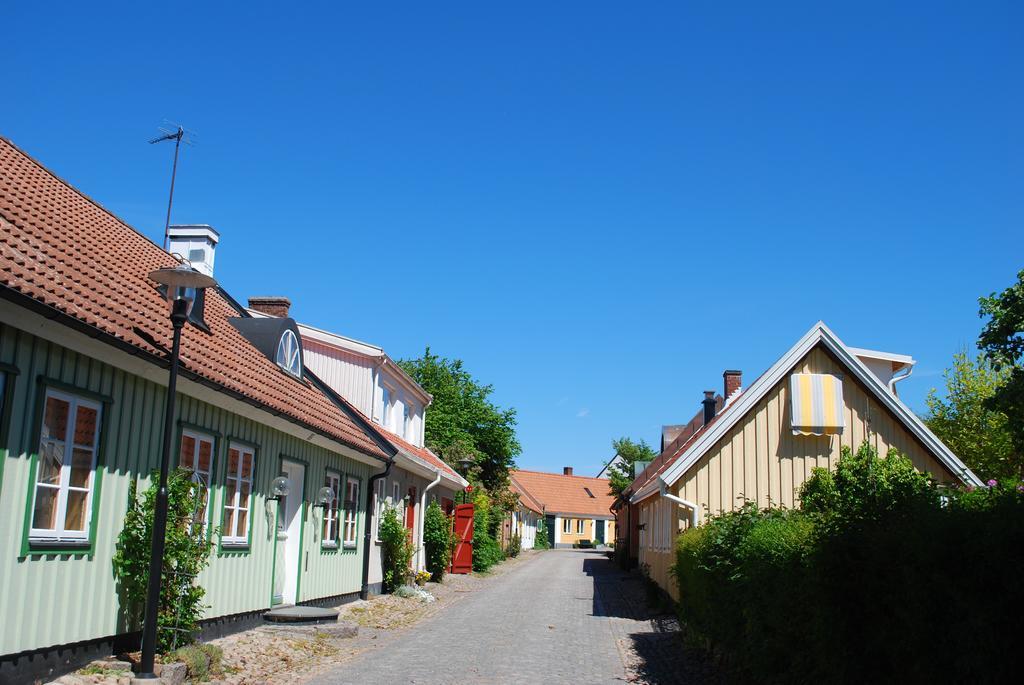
[186,553]
[1002,342]
[395,551]
[963,419]
[620,474]
[541,540]
[463,420]
[438,541]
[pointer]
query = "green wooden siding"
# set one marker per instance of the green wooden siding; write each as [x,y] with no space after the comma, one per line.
[57,599]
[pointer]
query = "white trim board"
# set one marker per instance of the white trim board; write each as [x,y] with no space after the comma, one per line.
[819,333]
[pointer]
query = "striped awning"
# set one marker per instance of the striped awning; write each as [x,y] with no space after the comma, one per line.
[816,403]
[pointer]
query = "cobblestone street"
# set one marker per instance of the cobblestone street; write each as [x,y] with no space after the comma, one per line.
[565,616]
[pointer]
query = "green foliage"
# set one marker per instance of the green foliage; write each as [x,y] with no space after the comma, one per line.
[395,550]
[463,420]
[201,660]
[541,540]
[882,576]
[515,545]
[438,541]
[620,474]
[1002,342]
[186,553]
[963,420]
[486,550]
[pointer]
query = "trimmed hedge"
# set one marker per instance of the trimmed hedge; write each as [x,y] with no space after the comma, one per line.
[882,576]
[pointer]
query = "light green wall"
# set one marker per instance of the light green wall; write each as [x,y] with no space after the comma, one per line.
[57,599]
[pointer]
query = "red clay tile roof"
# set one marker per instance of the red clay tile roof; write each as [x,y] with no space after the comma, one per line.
[422,453]
[64,251]
[560,494]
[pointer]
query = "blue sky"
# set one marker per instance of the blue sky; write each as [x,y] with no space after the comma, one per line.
[598,209]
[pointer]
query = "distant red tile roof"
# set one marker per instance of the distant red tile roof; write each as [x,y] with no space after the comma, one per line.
[560,494]
[422,453]
[676,448]
[66,252]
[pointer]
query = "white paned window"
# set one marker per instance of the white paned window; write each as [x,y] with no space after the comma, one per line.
[378,509]
[330,533]
[196,455]
[579,526]
[237,495]
[289,357]
[351,510]
[66,469]
[385,414]
[566,525]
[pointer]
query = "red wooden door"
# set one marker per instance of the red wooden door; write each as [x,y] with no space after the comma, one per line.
[462,558]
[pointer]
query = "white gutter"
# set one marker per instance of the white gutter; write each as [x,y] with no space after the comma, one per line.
[420,553]
[694,509]
[896,379]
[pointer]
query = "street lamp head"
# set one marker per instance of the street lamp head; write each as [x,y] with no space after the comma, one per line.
[181,283]
[324,497]
[279,488]
[465,464]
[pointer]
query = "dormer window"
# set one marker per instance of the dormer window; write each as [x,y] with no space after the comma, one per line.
[289,357]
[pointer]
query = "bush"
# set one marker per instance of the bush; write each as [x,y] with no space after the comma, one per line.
[438,541]
[882,576]
[395,550]
[515,545]
[202,661]
[486,550]
[186,553]
[541,540]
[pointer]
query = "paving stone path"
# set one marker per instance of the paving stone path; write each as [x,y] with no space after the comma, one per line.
[566,616]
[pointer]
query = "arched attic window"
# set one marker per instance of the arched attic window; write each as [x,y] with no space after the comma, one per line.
[289,357]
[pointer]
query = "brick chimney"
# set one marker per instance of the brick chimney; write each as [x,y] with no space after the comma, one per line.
[271,306]
[733,382]
[709,406]
[566,470]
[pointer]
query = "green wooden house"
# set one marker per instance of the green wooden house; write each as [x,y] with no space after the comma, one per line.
[83,372]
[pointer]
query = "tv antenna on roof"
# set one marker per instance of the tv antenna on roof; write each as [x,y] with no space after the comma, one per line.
[179,135]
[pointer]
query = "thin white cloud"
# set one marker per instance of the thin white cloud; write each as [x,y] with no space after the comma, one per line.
[583,413]
[562,401]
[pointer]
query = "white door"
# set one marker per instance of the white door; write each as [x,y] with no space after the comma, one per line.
[289,527]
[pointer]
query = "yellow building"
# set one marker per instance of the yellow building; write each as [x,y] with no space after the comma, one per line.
[763,442]
[577,509]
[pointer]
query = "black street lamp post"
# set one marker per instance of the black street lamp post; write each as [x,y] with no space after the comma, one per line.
[181,283]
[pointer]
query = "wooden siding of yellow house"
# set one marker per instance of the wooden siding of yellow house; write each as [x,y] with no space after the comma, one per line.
[761,460]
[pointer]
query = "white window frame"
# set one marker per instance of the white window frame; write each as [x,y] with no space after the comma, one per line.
[406,422]
[381,499]
[232,538]
[58,534]
[385,414]
[567,526]
[206,478]
[289,353]
[579,526]
[350,523]
[332,480]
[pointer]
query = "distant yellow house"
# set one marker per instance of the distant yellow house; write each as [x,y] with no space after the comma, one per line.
[763,442]
[576,508]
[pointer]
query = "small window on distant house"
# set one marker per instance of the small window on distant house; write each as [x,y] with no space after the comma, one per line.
[66,468]
[566,525]
[196,455]
[332,480]
[378,509]
[579,526]
[406,423]
[385,413]
[351,511]
[237,494]
[289,356]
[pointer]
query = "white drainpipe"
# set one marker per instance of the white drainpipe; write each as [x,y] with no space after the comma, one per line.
[896,379]
[694,509]
[421,553]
